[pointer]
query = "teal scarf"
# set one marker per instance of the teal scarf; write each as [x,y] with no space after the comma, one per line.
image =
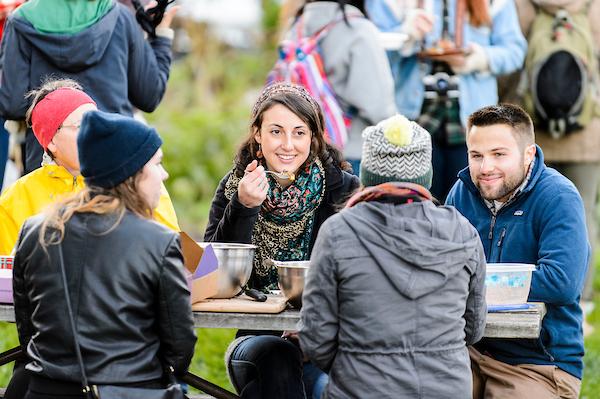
[285,223]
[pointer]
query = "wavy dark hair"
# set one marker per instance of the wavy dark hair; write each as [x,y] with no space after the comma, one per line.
[315,121]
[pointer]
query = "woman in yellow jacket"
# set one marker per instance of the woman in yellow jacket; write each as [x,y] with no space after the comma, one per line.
[55,117]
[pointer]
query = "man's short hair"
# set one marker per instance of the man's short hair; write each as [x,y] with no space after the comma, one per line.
[505,114]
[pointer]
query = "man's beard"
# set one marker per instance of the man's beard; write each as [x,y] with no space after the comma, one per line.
[508,186]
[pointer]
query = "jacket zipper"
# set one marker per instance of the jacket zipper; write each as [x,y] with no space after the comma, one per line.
[74,182]
[491,234]
[546,351]
[500,243]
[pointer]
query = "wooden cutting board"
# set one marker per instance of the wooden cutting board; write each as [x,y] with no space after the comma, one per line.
[242,304]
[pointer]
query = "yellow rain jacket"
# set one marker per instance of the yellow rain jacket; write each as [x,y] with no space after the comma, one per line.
[30,194]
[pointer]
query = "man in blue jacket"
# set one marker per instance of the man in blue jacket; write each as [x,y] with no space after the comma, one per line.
[528,213]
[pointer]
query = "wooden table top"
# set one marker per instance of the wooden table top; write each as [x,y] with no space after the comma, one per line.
[520,323]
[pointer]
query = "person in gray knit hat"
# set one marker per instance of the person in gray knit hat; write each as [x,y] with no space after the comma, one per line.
[396,287]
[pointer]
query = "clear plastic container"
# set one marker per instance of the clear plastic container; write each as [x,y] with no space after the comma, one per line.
[508,283]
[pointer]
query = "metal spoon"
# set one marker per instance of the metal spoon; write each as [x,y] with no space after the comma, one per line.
[284,175]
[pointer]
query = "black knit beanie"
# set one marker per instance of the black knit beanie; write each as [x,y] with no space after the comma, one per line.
[113,147]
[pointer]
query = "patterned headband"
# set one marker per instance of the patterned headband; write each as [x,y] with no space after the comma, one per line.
[285,88]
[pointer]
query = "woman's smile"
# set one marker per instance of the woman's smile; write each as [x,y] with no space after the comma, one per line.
[285,141]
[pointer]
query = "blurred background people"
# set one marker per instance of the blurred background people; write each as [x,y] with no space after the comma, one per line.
[354,62]
[447,68]
[6,7]
[98,43]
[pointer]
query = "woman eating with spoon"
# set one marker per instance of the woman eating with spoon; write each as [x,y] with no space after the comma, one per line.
[281,216]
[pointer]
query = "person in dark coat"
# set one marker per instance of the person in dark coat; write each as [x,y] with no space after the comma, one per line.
[97,43]
[281,216]
[131,302]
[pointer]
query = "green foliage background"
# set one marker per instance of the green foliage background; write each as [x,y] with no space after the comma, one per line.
[202,118]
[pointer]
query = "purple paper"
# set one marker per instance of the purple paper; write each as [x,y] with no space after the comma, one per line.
[208,263]
[6,289]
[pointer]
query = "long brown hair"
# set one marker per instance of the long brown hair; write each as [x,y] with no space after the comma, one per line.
[327,153]
[111,201]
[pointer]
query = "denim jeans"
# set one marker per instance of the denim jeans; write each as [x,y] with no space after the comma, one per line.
[270,367]
[314,380]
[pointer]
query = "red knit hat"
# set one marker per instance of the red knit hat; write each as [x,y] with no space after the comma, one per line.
[51,112]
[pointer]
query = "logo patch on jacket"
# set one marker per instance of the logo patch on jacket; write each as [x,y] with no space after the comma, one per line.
[518,213]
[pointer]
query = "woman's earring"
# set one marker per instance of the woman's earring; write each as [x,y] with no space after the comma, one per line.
[259,153]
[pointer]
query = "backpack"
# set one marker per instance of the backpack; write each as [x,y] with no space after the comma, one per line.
[560,79]
[300,61]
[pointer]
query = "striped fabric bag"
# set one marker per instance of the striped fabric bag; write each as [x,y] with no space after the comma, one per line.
[301,62]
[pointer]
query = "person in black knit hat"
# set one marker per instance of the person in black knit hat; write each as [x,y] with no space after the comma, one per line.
[113,147]
[124,272]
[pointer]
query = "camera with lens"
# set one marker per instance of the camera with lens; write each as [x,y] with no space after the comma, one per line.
[441,84]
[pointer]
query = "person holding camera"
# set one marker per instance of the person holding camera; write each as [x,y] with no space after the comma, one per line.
[97,43]
[447,68]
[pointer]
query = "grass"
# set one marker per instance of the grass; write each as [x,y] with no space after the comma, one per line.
[206,363]
[590,388]
[212,344]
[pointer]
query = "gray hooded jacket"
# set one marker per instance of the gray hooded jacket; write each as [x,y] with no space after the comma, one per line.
[394,294]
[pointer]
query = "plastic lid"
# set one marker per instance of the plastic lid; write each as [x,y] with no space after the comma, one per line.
[509,267]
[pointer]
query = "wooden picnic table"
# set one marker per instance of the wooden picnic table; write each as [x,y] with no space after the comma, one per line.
[519,323]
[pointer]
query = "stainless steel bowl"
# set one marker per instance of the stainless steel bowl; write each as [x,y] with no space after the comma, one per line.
[235,266]
[292,277]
